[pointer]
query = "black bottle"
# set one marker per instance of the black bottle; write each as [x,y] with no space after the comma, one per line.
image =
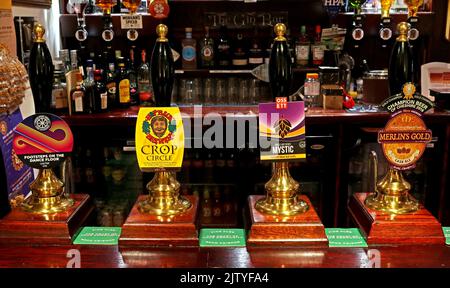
[162,68]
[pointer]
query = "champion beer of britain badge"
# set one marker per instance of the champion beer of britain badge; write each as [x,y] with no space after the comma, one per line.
[43,140]
[405,136]
[159,138]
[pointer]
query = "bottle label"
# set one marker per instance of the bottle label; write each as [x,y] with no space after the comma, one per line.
[78,98]
[258,60]
[312,88]
[302,52]
[124,91]
[207,53]
[59,98]
[104,101]
[217,212]
[240,62]
[188,53]
[111,87]
[206,212]
[318,52]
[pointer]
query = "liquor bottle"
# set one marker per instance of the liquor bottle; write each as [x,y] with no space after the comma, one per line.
[40,71]
[74,60]
[111,85]
[101,95]
[65,58]
[89,86]
[206,207]
[220,168]
[401,66]
[318,48]
[240,58]
[255,53]
[223,48]
[207,50]
[280,64]
[77,96]
[107,5]
[134,93]
[144,82]
[302,48]
[208,175]
[217,207]
[59,91]
[189,50]
[123,83]
[131,5]
[162,68]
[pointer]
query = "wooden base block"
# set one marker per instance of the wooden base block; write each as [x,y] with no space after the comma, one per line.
[19,227]
[304,229]
[381,228]
[145,230]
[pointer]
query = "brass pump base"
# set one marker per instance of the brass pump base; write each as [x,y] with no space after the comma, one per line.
[164,198]
[392,195]
[282,198]
[391,192]
[47,195]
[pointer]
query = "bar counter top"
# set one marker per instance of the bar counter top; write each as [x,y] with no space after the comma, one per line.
[110,257]
[127,117]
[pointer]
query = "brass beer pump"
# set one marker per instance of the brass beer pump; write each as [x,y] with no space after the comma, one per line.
[47,195]
[282,196]
[391,191]
[164,190]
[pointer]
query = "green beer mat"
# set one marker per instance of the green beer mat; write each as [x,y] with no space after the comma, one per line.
[446,234]
[345,237]
[98,236]
[222,237]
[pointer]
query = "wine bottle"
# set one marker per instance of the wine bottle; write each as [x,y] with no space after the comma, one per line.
[223,48]
[89,86]
[111,85]
[280,64]
[144,82]
[123,84]
[207,50]
[78,96]
[240,58]
[41,71]
[401,63]
[134,93]
[162,68]
[101,94]
[189,52]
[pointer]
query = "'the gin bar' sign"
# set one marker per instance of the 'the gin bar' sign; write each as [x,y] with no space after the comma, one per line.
[244,19]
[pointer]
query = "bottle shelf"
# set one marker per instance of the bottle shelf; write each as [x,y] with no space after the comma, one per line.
[223,72]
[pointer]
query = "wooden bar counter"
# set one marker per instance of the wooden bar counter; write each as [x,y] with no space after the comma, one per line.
[109,257]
